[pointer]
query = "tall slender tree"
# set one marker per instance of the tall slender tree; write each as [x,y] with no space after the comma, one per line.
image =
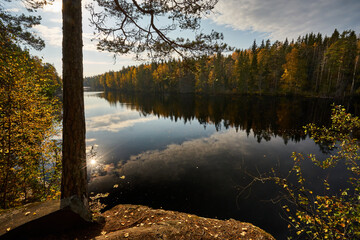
[74,179]
[129,35]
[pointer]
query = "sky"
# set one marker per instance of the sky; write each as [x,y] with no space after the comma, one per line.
[241,22]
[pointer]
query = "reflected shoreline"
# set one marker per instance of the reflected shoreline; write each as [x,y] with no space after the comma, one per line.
[267,117]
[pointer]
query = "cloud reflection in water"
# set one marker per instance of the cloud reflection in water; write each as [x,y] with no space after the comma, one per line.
[116,121]
[221,152]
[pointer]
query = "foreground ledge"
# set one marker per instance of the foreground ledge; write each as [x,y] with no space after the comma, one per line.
[34,219]
[141,222]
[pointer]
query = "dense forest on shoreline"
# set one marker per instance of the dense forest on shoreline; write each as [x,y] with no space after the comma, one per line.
[30,156]
[313,65]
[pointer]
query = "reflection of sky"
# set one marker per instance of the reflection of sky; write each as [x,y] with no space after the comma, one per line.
[116,121]
[121,132]
[204,176]
[229,147]
[100,116]
[125,135]
[183,166]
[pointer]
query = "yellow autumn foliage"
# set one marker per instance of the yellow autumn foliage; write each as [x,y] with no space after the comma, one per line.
[29,153]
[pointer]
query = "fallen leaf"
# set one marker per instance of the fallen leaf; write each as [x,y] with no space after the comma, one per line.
[116,185]
[122,177]
[126,235]
[27,213]
[8,229]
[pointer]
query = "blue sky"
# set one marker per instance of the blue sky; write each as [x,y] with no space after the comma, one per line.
[241,21]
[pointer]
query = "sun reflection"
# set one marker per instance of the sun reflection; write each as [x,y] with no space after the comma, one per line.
[93,162]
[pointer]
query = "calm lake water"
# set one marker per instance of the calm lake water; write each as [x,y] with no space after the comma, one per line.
[196,154]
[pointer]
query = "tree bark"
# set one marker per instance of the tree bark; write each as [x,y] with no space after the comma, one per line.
[354,73]
[74,179]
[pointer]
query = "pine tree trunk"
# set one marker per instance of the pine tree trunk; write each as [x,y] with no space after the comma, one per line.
[353,80]
[338,77]
[318,74]
[74,179]
[329,80]
[276,81]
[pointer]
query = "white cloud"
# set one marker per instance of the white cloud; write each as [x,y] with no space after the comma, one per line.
[288,18]
[97,62]
[89,45]
[56,20]
[88,140]
[55,7]
[52,35]
[13,10]
[115,122]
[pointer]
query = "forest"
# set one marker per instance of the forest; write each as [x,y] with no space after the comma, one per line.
[313,65]
[30,155]
[30,149]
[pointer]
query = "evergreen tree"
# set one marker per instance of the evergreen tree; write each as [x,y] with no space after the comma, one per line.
[254,67]
[19,26]
[311,66]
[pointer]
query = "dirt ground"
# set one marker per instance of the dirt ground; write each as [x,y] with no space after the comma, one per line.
[140,222]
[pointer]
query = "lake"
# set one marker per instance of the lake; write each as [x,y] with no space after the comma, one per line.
[198,154]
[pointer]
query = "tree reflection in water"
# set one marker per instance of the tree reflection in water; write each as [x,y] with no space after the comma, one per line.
[155,160]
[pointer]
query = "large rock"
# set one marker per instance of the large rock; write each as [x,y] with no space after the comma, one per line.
[38,219]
